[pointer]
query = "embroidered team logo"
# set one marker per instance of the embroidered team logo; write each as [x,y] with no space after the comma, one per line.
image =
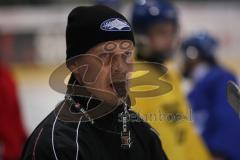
[115,24]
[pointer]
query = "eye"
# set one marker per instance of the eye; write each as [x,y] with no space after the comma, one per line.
[128,54]
[104,55]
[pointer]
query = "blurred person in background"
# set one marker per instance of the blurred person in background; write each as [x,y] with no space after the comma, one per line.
[215,119]
[12,131]
[156,24]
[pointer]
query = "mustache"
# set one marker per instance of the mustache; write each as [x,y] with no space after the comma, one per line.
[118,77]
[121,88]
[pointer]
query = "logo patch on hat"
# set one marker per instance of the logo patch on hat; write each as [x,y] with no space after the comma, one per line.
[115,24]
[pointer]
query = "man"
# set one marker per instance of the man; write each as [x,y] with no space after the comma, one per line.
[156,22]
[94,122]
[215,119]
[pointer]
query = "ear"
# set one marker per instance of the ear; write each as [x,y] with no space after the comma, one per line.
[73,66]
[77,64]
[77,69]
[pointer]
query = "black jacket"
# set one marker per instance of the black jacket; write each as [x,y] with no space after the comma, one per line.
[55,139]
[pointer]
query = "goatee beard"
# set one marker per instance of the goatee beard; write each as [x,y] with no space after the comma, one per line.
[120,88]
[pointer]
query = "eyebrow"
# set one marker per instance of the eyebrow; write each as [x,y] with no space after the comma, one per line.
[101,51]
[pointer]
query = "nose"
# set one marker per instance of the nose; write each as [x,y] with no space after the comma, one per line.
[119,65]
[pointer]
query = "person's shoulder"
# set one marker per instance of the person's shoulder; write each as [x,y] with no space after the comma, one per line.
[221,72]
[40,135]
[150,136]
[55,136]
[217,75]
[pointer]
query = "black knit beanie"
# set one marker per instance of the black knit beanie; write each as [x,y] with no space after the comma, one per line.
[89,26]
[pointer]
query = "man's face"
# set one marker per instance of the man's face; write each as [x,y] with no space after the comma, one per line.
[109,64]
[190,60]
[162,37]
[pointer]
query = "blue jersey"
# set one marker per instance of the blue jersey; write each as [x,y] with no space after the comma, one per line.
[217,122]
